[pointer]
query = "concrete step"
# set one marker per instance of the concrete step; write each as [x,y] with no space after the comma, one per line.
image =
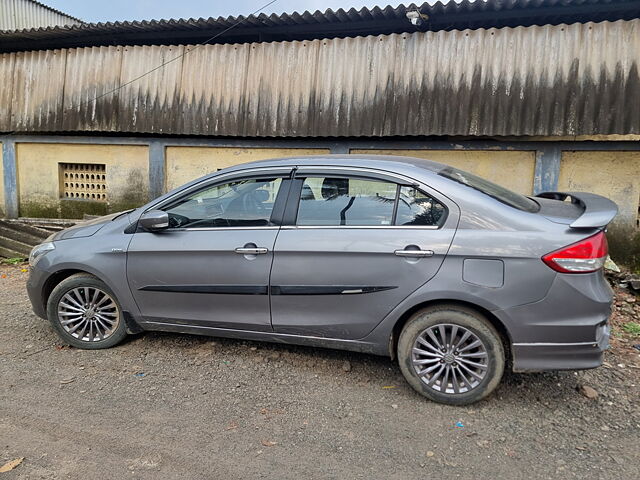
[19,235]
[49,224]
[26,228]
[8,253]
[23,249]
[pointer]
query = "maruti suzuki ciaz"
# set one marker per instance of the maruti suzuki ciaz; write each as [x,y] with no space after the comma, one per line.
[454,276]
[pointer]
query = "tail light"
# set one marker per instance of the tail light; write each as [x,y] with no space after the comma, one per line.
[585,256]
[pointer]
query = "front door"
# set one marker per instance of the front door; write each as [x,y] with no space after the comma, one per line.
[357,247]
[211,267]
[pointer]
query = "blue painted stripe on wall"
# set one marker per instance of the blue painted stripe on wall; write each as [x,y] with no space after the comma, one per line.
[156,168]
[10,178]
[547,169]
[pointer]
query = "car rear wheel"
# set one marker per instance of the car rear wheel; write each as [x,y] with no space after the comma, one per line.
[85,313]
[451,354]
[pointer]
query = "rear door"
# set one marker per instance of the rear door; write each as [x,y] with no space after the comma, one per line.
[354,245]
[211,267]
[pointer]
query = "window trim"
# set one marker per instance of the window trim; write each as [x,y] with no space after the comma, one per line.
[217,179]
[290,218]
[279,203]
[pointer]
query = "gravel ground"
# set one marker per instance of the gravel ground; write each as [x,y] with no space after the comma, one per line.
[177,406]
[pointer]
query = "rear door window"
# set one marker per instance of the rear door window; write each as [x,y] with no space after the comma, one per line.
[345,201]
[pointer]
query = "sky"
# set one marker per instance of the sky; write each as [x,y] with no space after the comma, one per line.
[112,10]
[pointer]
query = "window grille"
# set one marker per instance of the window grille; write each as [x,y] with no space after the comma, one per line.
[83,181]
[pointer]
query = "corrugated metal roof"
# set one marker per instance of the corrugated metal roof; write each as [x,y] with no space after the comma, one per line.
[579,79]
[328,24]
[29,14]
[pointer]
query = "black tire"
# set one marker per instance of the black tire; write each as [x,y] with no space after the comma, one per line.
[453,319]
[80,280]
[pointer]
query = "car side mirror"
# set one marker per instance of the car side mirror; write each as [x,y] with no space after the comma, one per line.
[154,220]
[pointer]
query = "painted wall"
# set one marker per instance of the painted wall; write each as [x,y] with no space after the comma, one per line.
[127,170]
[512,169]
[1,184]
[615,175]
[184,164]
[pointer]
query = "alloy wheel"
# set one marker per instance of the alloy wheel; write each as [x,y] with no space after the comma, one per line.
[88,314]
[450,358]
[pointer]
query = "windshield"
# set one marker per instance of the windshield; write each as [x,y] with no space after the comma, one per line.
[501,194]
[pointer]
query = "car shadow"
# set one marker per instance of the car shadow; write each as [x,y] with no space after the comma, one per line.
[550,389]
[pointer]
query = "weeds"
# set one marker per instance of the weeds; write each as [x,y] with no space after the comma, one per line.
[632,328]
[12,261]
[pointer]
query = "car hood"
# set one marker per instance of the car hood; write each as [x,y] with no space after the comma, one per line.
[85,228]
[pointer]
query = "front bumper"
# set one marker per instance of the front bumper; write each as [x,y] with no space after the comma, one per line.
[35,290]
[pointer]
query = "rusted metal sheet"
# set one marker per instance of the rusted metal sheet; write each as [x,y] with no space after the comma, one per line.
[149,103]
[28,14]
[212,93]
[280,88]
[37,91]
[310,25]
[90,75]
[580,79]
[7,67]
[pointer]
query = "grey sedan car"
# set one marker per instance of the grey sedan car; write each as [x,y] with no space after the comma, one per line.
[456,277]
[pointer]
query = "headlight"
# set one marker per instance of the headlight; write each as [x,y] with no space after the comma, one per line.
[38,251]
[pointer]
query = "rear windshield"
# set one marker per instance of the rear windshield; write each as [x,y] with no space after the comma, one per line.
[501,194]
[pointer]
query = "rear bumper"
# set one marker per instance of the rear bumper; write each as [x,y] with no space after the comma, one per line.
[566,330]
[535,357]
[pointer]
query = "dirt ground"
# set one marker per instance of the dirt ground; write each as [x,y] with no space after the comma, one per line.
[174,406]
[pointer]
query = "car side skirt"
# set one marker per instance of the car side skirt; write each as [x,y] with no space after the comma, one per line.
[282,338]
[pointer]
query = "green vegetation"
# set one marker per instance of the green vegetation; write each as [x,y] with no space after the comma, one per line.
[632,328]
[38,210]
[78,208]
[12,261]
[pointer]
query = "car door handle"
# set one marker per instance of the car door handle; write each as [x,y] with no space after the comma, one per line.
[414,253]
[251,250]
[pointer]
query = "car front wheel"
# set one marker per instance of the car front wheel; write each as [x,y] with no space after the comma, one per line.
[451,354]
[85,313]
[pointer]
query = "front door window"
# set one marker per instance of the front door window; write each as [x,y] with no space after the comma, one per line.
[241,203]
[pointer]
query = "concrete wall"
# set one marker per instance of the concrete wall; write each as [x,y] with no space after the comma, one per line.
[615,175]
[39,185]
[184,164]
[511,169]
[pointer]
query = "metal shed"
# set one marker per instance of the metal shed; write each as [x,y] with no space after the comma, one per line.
[29,14]
[534,94]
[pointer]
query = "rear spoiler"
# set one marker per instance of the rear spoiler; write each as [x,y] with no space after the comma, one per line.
[598,210]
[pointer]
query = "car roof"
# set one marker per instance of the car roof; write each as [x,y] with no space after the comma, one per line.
[392,163]
[409,167]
